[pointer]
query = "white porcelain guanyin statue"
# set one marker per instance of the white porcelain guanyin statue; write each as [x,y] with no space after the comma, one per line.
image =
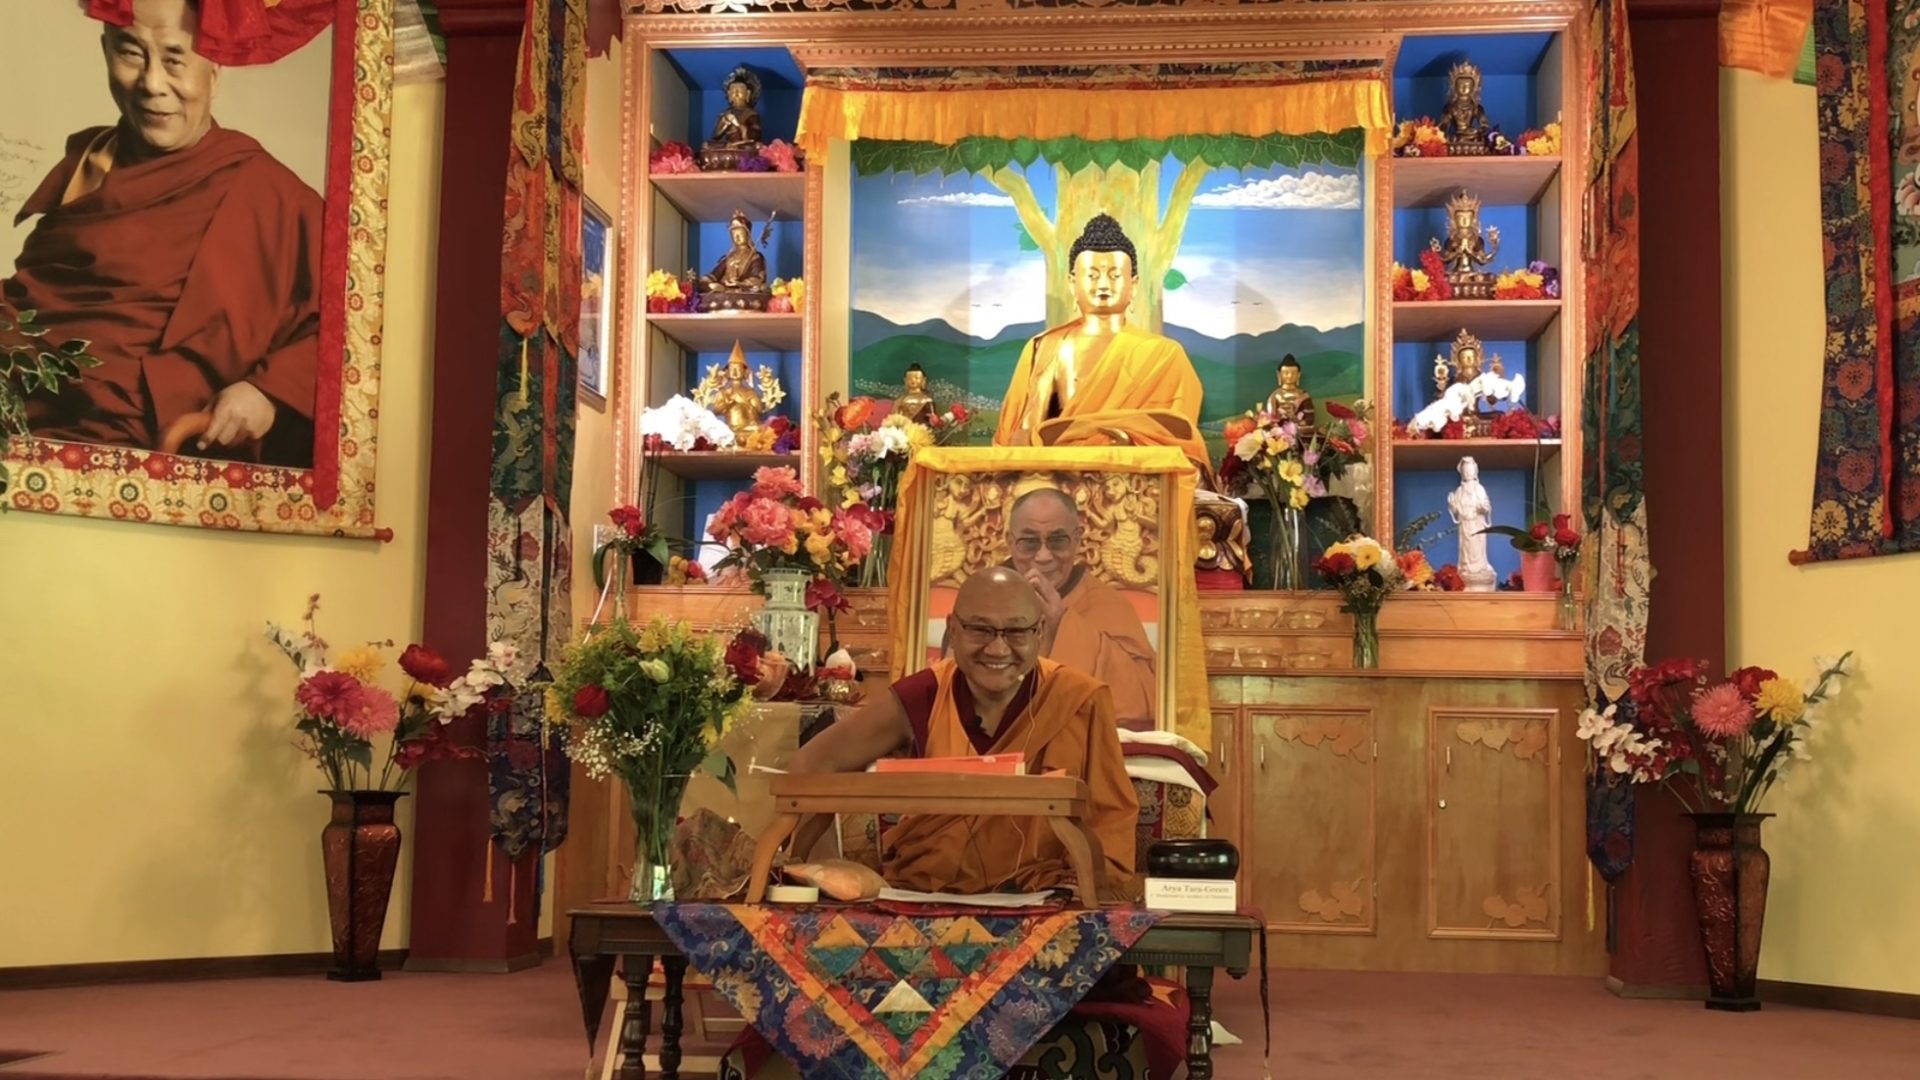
[1470,508]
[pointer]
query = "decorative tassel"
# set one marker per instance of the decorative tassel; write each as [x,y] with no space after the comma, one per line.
[1589,896]
[513,892]
[523,371]
[486,895]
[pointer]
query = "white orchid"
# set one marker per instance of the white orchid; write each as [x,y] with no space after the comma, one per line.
[680,423]
[1461,398]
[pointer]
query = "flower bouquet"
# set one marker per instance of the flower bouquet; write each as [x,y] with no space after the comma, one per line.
[648,705]
[788,296]
[1538,281]
[1292,468]
[667,294]
[1542,548]
[797,551]
[674,157]
[1366,574]
[865,462]
[680,424]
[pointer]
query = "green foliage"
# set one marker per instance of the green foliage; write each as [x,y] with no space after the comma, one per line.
[29,364]
[979,154]
[1415,535]
[1025,238]
[1173,280]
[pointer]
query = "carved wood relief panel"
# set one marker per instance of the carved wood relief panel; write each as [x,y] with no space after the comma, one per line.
[1493,824]
[1313,777]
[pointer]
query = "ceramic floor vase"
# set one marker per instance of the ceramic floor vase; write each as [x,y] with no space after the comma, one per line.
[360,848]
[1730,871]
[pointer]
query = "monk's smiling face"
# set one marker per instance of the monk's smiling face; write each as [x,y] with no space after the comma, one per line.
[1043,534]
[997,626]
[163,88]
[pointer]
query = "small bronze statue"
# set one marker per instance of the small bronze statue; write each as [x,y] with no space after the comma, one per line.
[736,134]
[1463,121]
[1464,249]
[1462,368]
[731,395]
[915,403]
[739,280]
[1290,401]
[1222,537]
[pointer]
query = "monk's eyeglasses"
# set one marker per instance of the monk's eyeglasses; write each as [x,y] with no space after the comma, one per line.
[1060,543]
[1016,637]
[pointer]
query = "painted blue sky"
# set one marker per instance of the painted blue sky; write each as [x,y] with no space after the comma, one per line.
[1292,250]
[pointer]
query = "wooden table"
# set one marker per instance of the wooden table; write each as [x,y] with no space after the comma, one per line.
[603,932]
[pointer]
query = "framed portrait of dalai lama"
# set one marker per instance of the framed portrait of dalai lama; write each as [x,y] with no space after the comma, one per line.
[195,206]
[1093,529]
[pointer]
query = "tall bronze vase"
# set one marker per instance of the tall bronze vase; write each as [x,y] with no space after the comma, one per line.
[361,848]
[1730,871]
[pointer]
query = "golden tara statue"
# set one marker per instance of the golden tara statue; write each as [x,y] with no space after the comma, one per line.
[915,404]
[736,134]
[732,396]
[739,280]
[1463,121]
[1465,249]
[1291,401]
[1098,380]
[1461,368]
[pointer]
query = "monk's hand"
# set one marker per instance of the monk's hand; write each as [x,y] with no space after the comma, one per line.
[1051,605]
[241,413]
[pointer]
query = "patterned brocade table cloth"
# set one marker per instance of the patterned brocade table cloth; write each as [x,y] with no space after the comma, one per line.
[859,993]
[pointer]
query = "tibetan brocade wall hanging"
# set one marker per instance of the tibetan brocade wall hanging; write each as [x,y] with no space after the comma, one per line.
[190,326]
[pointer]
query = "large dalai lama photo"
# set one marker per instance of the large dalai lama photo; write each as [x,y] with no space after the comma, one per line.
[183,251]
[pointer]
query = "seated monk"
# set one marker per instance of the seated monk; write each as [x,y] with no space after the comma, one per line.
[185,254]
[1090,626]
[993,694]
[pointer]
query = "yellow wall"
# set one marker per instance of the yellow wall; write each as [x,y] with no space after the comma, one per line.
[1845,887]
[154,805]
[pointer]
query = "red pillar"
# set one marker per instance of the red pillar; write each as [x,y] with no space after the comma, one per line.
[1677,76]
[472,910]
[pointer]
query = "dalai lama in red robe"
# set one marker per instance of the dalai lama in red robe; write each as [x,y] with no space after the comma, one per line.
[185,254]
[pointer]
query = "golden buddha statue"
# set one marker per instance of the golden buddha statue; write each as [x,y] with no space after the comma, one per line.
[915,403]
[732,396]
[1462,120]
[736,133]
[1291,401]
[1464,248]
[1097,380]
[1463,365]
[739,279]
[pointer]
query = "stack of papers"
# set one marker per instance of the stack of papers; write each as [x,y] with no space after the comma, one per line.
[987,900]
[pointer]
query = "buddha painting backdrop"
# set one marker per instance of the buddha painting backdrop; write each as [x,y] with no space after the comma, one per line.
[1250,249]
[201,211]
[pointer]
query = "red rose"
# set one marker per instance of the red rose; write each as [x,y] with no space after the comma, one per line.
[1335,566]
[1562,521]
[629,519]
[1340,412]
[960,414]
[1748,680]
[1449,579]
[743,656]
[424,665]
[590,702]
[1540,530]
[696,572]
[780,425]
[1566,537]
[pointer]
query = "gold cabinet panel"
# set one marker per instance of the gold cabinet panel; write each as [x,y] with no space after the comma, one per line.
[1493,824]
[1313,769]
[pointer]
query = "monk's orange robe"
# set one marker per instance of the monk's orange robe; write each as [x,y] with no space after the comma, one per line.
[187,272]
[1064,720]
[1142,384]
[1102,635]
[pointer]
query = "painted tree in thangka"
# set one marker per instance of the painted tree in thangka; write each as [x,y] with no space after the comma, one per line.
[1121,177]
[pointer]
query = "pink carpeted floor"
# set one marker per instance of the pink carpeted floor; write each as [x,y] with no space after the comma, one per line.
[1325,1024]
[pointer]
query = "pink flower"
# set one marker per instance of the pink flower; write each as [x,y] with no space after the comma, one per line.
[1720,712]
[775,482]
[729,515]
[324,694]
[367,712]
[766,523]
[854,533]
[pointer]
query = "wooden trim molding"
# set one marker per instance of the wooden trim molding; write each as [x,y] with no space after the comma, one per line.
[1841,999]
[190,969]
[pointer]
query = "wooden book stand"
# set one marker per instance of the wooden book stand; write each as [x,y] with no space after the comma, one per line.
[804,806]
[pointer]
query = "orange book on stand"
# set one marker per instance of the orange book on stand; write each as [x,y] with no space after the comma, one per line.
[988,765]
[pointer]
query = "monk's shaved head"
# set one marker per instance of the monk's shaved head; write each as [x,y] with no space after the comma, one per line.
[997,593]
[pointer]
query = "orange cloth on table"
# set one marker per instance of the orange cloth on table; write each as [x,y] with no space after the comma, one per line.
[1067,725]
[1142,384]
[1101,634]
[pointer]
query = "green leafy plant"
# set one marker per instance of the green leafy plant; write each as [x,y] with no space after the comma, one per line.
[30,364]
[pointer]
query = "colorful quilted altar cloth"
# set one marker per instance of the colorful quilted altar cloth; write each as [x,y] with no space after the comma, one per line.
[853,994]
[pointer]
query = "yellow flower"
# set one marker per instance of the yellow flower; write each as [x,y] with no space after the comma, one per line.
[820,547]
[363,662]
[1292,471]
[797,291]
[822,521]
[1275,444]
[848,499]
[1298,499]
[653,637]
[790,545]
[557,707]
[1421,281]
[840,478]
[1780,699]
[1366,556]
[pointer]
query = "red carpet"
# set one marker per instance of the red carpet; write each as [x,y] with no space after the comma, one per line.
[1325,1025]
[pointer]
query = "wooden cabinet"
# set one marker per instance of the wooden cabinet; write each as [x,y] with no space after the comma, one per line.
[1410,824]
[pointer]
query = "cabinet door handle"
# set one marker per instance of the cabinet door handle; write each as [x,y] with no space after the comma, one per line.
[1263,755]
[1449,753]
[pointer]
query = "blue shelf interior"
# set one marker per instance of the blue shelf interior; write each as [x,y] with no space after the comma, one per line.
[705,72]
[1510,65]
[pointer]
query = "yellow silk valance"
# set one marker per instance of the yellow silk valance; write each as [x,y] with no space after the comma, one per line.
[909,570]
[946,116]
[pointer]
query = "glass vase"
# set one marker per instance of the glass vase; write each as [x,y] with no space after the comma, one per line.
[1366,639]
[873,568]
[1283,552]
[791,630]
[655,803]
[1569,609]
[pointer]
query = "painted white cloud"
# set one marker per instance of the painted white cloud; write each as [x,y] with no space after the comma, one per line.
[1308,191]
[1224,297]
[963,198]
[981,301]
